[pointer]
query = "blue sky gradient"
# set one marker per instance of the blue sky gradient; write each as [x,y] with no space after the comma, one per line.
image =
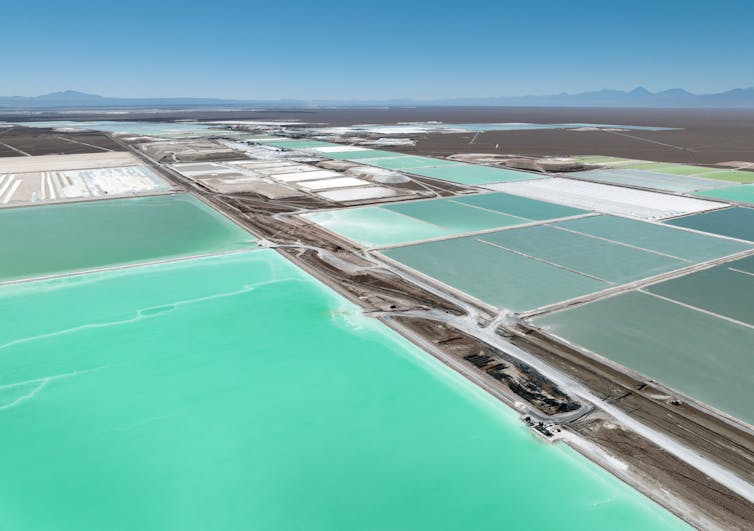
[373,50]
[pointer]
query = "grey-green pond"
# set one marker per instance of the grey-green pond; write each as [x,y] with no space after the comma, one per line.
[678,346]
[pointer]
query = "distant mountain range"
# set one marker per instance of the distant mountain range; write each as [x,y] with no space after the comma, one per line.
[639,97]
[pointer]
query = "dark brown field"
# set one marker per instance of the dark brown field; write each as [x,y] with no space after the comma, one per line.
[704,136]
[19,141]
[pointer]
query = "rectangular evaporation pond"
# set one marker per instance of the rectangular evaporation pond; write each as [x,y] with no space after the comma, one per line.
[740,194]
[500,278]
[682,244]
[264,138]
[455,216]
[159,182]
[721,290]
[357,155]
[607,198]
[703,356]
[646,179]
[732,175]
[697,171]
[407,162]
[52,239]
[583,254]
[472,174]
[707,173]
[744,264]
[106,396]
[295,144]
[338,148]
[376,226]
[522,207]
[358,194]
[732,222]
[670,168]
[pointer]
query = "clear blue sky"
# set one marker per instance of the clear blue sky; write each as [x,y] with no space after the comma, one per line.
[373,49]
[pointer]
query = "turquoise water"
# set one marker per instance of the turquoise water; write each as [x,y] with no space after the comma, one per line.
[454,215]
[724,290]
[235,392]
[472,174]
[406,162]
[356,155]
[521,269]
[496,276]
[595,257]
[376,226]
[516,205]
[683,244]
[675,345]
[742,194]
[51,239]
[735,222]
[411,221]
[744,264]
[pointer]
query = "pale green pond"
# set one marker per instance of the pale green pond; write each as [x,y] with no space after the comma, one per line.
[53,239]
[412,221]
[742,194]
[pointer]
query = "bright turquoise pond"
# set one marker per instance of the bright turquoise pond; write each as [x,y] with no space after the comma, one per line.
[235,392]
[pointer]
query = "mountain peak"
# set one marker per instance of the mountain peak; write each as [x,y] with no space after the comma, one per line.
[69,95]
[640,91]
